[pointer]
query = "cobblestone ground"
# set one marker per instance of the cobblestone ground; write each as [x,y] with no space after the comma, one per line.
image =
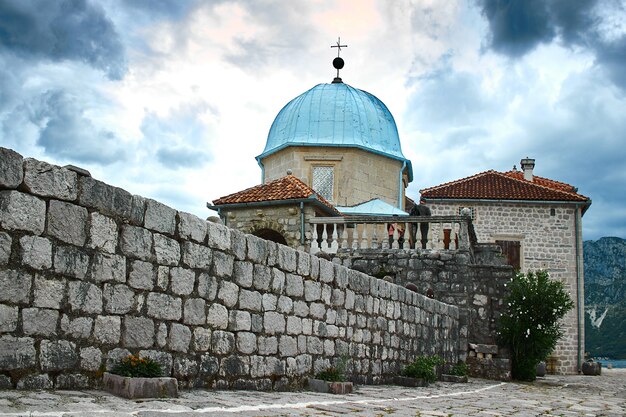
[551,396]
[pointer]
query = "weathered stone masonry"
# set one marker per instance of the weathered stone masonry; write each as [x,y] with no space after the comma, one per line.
[90,273]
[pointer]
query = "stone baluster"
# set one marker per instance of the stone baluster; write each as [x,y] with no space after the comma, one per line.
[463,236]
[314,244]
[395,244]
[334,244]
[324,245]
[364,244]
[355,237]
[375,244]
[344,237]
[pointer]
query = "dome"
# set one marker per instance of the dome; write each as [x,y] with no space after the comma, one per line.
[336,115]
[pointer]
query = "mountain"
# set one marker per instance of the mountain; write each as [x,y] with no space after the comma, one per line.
[605,297]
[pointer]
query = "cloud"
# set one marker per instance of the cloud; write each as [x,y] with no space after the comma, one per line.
[60,30]
[66,133]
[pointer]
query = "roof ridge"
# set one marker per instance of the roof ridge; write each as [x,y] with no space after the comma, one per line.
[459,181]
[526,182]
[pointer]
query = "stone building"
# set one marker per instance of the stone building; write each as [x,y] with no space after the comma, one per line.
[537,222]
[336,150]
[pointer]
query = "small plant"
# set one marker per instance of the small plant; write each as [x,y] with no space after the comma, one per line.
[331,374]
[530,325]
[423,367]
[134,366]
[460,369]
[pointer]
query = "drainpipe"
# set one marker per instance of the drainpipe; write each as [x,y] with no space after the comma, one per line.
[302,223]
[400,184]
[580,299]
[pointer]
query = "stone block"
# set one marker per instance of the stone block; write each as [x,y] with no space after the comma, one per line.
[223,264]
[161,335]
[250,300]
[294,325]
[284,304]
[294,286]
[185,369]
[108,329]
[136,242]
[163,277]
[304,264]
[163,387]
[17,353]
[300,308]
[35,382]
[164,307]
[182,280]
[106,198]
[12,172]
[8,318]
[137,210]
[327,271]
[207,286]
[118,299]
[239,320]
[269,302]
[246,343]
[85,297]
[159,217]
[287,260]
[49,293]
[19,211]
[108,267]
[287,346]
[273,323]
[228,293]
[312,290]
[138,332]
[179,338]
[71,381]
[317,310]
[114,356]
[217,317]
[102,233]
[77,328]
[315,267]
[222,343]
[268,345]
[242,272]
[262,278]
[191,227]
[39,321]
[201,339]
[238,244]
[218,236]
[15,286]
[67,222]
[234,366]
[197,256]
[194,311]
[5,248]
[278,281]
[71,261]
[142,275]
[257,249]
[90,358]
[166,250]
[46,180]
[57,355]
[36,252]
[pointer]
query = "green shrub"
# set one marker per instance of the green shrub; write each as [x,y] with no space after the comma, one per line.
[423,367]
[530,325]
[134,366]
[331,374]
[460,369]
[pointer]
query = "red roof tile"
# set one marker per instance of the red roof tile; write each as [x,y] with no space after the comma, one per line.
[285,188]
[494,185]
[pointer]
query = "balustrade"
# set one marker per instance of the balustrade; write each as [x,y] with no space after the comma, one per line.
[329,234]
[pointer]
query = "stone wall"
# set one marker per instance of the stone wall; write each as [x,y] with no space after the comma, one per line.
[90,273]
[547,236]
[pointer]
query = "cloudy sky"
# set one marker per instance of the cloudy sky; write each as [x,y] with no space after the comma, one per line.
[173,99]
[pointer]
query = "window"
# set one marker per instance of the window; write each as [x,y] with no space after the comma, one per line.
[323,181]
[511,250]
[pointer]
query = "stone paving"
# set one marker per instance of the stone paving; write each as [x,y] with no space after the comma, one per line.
[551,396]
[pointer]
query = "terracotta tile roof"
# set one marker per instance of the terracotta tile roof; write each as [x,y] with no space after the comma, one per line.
[285,188]
[494,185]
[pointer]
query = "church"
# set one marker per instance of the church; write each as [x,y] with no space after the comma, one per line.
[334,153]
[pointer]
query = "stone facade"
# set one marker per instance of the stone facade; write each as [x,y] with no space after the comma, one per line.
[548,237]
[285,219]
[379,176]
[90,273]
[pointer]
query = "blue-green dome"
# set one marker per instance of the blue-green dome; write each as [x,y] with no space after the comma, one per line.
[336,115]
